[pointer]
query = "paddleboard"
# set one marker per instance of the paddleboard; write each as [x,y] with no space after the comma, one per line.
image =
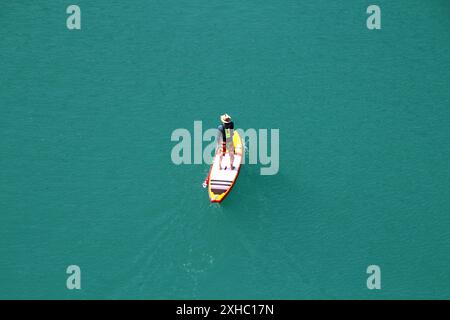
[220,181]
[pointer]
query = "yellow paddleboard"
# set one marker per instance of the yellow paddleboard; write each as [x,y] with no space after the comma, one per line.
[221,181]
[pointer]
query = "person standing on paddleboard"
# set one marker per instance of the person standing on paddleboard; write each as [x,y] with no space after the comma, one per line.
[225,136]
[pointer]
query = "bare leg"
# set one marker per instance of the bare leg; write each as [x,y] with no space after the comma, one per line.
[231,153]
[222,153]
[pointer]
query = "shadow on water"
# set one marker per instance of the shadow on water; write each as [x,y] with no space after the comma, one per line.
[253,191]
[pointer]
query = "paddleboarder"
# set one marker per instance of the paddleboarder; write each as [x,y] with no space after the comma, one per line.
[225,136]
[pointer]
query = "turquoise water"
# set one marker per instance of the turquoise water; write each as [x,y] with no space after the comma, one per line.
[86,176]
